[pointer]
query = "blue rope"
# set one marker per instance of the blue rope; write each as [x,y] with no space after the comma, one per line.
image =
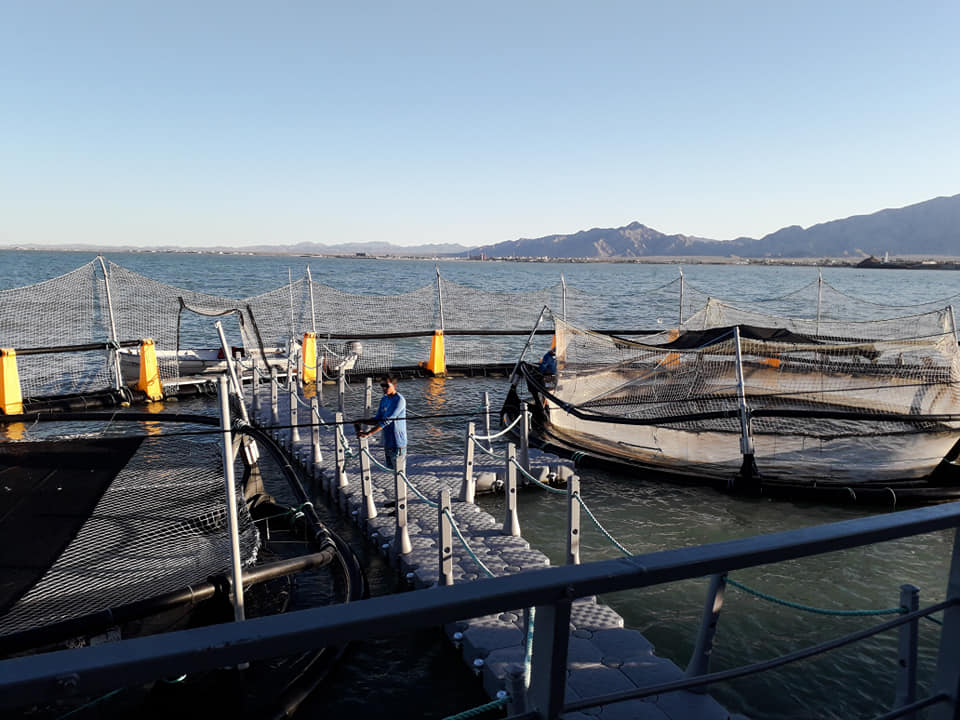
[602,529]
[466,545]
[474,712]
[90,704]
[403,475]
[535,481]
[811,609]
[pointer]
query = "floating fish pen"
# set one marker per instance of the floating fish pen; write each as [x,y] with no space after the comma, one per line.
[762,404]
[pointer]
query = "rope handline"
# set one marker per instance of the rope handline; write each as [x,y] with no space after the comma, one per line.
[480,710]
[600,527]
[466,545]
[810,608]
[507,429]
[402,474]
[534,480]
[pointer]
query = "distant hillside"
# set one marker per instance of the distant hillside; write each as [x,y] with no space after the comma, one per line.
[931,227]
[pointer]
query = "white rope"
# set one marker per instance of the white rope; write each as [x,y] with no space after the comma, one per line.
[507,429]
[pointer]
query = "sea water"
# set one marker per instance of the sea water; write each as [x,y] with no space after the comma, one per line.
[644,513]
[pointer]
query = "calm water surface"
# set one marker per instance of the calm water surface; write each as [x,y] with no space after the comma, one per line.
[644,514]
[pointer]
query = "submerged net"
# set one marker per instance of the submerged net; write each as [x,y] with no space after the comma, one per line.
[158,526]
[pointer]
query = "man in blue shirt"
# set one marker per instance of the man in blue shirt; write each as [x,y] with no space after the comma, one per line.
[392,419]
[548,364]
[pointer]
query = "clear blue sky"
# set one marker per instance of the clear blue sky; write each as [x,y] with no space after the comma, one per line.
[210,122]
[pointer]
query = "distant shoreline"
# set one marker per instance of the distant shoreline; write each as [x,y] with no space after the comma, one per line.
[918,262]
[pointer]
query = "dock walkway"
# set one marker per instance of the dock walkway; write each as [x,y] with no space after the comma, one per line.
[604,657]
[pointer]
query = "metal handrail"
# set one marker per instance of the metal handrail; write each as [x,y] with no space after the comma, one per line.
[100,668]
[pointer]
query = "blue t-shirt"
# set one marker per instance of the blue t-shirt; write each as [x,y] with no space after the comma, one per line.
[548,365]
[391,416]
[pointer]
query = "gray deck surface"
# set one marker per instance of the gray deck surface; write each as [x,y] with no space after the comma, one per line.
[604,657]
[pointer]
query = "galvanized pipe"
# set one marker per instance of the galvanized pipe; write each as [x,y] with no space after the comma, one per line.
[236,564]
[907,651]
[468,486]
[700,659]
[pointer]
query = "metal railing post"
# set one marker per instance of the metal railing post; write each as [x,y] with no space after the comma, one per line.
[445,546]
[368,509]
[255,388]
[468,485]
[294,415]
[548,664]
[573,520]
[341,474]
[114,355]
[368,398]
[947,677]
[274,402]
[525,439]
[907,651]
[341,390]
[511,523]
[231,493]
[700,659]
[401,540]
[486,419]
[315,435]
[681,297]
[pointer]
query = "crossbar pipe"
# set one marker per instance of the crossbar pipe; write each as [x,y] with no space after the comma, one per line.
[29,679]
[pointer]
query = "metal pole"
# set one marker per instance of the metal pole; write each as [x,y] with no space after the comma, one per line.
[953,321]
[401,540]
[255,388]
[313,310]
[294,413]
[368,398]
[445,546]
[467,485]
[525,439]
[231,492]
[700,660]
[948,657]
[439,295]
[513,375]
[819,296]
[114,355]
[342,481]
[274,401]
[573,520]
[486,419]
[315,435]
[563,297]
[907,672]
[368,507]
[511,523]
[548,670]
[249,446]
[746,442]
[681,296]
[341,389]
[292,322]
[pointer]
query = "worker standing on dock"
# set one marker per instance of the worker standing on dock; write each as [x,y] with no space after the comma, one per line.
[392,418]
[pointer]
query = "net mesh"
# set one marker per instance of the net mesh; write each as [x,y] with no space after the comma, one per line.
[160,526]
[633,391]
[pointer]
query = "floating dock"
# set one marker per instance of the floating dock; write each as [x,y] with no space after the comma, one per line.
[604,657]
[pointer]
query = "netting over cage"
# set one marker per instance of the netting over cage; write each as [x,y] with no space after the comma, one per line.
[123,519]
[679,406]
[66,310]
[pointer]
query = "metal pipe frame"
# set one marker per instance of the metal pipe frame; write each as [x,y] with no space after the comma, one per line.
[96,669]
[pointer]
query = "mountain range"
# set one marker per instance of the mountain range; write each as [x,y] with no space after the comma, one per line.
[931,227]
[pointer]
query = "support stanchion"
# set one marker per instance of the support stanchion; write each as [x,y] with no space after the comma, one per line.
[274,398]
[511,522]
[467,485]
[486,419]
[294,414]
[255,389]
[907,651]
[700,659]
[315,435]
[231,498]
[341,477]
[368,509]
[401,540]
[368,398]
[573,520]
[525,439]
[341,390]
[445,532]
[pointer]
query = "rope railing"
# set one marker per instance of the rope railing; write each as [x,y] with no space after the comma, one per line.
[480,709]
[810,608]
[466,545]
[523,471]
[403,476]
[503,432]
